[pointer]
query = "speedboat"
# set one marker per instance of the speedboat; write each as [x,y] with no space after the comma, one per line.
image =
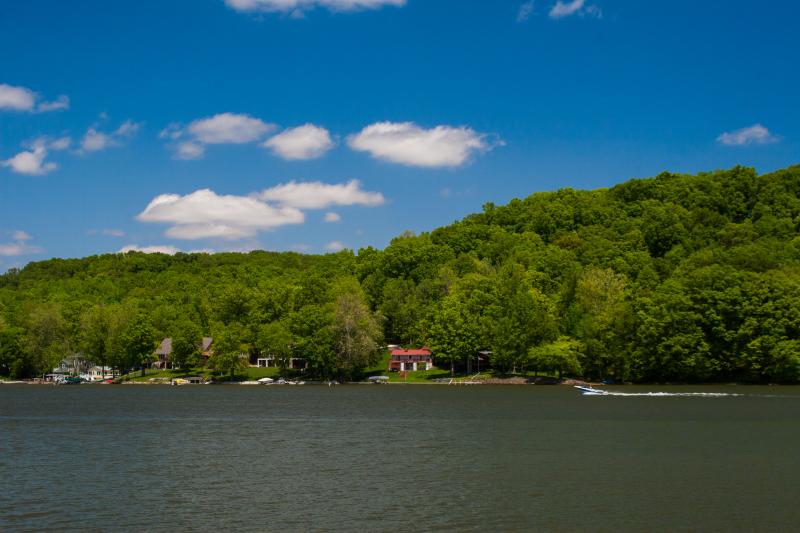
[589,391]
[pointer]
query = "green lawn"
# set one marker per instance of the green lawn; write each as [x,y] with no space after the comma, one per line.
[250,373]
[421,376]
[381,368]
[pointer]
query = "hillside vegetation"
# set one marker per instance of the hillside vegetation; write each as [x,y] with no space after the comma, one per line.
[674,278]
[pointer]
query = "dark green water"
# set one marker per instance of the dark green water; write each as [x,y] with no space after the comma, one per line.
[396,458]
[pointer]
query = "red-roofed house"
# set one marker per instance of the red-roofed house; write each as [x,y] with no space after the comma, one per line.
[410,359]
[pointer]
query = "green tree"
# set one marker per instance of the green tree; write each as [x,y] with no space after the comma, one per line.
[356,332]
[13,361]
[561,355]
[276,340]
[229,351]
[95,335]
[45,340]
[139,343]
[452,332]
[186,339]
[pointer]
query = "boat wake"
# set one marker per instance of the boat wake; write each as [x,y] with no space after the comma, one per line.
[589,391]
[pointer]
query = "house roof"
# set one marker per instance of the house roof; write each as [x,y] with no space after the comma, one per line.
[165,348]
[421,351]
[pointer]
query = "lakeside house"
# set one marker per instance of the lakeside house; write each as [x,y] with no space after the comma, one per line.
[164,351]
[271,361]
[73,365]
[404,360]
[98,373]
[205,347]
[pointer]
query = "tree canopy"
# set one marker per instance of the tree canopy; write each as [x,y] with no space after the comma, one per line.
[674,278]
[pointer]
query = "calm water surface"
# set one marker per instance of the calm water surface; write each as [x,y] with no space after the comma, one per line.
[397,458]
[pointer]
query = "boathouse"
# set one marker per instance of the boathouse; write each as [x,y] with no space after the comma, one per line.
[402,360]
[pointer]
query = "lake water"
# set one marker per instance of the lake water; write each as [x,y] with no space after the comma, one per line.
[397,458]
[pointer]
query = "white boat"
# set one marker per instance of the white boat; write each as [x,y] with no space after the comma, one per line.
[589,391]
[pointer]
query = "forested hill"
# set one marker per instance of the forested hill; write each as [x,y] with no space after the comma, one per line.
[673,278]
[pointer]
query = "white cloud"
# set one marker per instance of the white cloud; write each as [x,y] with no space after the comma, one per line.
[62,143]
[408,144]
[128,128]
[113,232]
[223,128]
[21,236]
[189,150]
[96,141]
[31,162]
[59,104]
[304,142]
[228,128]
[19,245]
[332,217]
[563,9]
[23,99]
[755,134]
[158,249]
[297,7]
[173,131]
[16,98]
[525,11]
[205,214]
[318,195]
[334,246]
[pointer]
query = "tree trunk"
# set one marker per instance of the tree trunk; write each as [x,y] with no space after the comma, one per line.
[452,368]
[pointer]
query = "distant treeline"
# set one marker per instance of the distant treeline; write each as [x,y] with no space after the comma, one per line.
[675,278]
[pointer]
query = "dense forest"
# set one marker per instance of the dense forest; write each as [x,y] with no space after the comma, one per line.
[676,278]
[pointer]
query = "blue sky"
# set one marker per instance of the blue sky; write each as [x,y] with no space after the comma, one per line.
[314,124]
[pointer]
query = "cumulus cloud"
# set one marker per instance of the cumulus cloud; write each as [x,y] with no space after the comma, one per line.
[297,7]
[223,128]
[173,131]
[318,195]
[23,99]
[304,142]
[157,249]
[128,128]
[755,134]
[61,143]
[21,236]
[228,128]
[409,144]
[189,150]
[334,246]
[18,245]
[563,9]
[16,98]
[205,214]
[59,104]
[95,140]
[525,11]
[332,217]
[33,160]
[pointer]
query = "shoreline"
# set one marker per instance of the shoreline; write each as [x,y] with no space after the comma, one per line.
[493,381]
